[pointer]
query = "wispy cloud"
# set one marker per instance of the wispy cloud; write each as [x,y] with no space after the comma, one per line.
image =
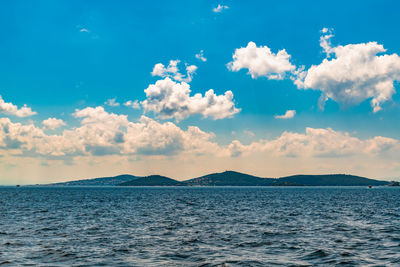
[219,8]
[289,114]
[200,56]
[112,102]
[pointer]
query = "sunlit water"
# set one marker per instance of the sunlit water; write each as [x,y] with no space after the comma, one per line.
[91,226]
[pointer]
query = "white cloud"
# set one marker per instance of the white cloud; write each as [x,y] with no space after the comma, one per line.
[219,8]
[317,143]
[171,99]
[288,115]
[133,104]
[98,116]
[325,41]
[112,102]
[355,73]
[115,138]
[53,123]
[29,140]
[260,61]
[11,109]
[148,137]
[200,56]
[172,71]
[83,30]
[101,133]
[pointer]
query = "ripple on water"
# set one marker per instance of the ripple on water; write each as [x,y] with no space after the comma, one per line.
[199,226]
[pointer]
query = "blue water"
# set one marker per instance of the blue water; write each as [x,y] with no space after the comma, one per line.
[91,226]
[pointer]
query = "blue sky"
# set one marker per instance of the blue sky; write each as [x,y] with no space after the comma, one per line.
[58,57]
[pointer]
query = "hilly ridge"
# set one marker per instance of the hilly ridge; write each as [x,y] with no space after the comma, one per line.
[229,178]
[330,180]
[152,180]
[101,181]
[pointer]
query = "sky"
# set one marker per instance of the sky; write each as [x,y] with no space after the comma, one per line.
[186,88]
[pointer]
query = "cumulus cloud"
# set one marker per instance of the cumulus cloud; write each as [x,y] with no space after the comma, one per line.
[200,56]
[170,99]
[219,8]
[53,123]
[29,140]
[350,74]
[133,104]
[317,143]
[101,133]
[355,73]
[260,61]
[112,102]
[288,115]
[11,109]
[98,116]
[172,71]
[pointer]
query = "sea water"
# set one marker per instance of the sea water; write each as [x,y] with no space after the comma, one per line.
[199,226]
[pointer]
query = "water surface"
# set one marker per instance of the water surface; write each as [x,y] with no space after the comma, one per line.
[242,226]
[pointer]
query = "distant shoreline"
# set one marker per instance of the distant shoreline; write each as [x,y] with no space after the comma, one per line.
[229,179]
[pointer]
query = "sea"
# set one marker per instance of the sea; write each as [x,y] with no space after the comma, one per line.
[199,226]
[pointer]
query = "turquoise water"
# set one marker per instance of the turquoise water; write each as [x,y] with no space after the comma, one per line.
[243,226]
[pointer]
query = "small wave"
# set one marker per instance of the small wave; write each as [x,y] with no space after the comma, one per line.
[176,256]
[251,244]
[317,254]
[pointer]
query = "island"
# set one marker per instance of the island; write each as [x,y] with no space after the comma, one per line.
[230,178]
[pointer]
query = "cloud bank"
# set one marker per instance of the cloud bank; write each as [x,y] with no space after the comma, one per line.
[101,133]
[317,143]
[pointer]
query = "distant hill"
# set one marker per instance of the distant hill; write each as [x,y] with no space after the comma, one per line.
[152,180]
[328,180]
[102,181]
[229,178]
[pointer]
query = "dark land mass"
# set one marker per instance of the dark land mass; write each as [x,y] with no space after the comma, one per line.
[230,178]
[153,180]
[102,181]
[329,180]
